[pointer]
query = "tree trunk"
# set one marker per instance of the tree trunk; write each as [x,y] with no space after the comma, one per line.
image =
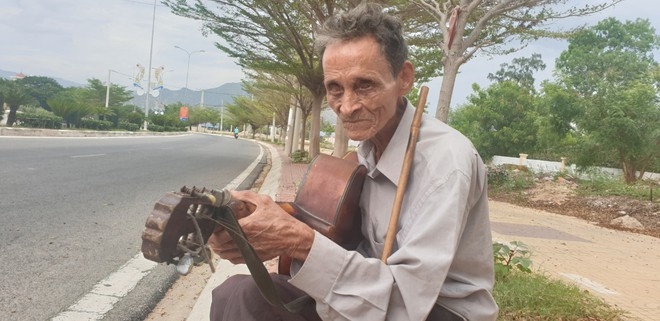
[341,141]
[450,71]
[288,144]
[303,128]
[628,172]
[315,130]
[11,118]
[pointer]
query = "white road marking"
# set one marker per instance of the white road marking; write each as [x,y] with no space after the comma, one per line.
[89,155]
[105,294]
[589,283]
[95,304]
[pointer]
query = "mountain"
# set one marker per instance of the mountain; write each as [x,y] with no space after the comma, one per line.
[211,97]
[63,82]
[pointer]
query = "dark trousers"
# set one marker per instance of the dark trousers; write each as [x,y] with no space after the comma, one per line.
[238,298]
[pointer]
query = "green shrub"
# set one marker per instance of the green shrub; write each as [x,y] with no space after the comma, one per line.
[531,296]
[300,156]
[601,184]
[512,256]
[523,295]
[501,179]
[128,126]
[95,124]
[39,118]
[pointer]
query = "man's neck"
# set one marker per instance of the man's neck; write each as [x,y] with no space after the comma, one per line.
[383,137]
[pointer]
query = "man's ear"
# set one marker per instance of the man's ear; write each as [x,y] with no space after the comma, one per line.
[406,78]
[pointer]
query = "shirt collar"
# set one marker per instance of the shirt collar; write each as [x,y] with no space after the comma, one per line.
[391,161]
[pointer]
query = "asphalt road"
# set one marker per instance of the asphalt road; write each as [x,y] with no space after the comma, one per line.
[72,211]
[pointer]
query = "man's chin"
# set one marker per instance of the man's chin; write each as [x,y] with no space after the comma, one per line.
[357,136]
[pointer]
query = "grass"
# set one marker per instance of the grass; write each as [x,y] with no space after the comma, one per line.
[535,297]
[602,185]
[503,180]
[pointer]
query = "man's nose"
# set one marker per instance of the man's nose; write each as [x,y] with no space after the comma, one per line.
[350,103]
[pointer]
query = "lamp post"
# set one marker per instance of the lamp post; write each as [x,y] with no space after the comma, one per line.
[151,55]
[107,85]
[189,53]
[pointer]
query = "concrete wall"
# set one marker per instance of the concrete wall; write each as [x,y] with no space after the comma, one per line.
[541,166]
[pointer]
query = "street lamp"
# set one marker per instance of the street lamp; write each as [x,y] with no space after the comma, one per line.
[107,86]
[190,53]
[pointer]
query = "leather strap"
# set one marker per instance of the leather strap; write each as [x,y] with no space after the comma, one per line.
[226,218]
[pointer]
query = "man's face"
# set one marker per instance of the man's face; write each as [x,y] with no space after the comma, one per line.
[360,86]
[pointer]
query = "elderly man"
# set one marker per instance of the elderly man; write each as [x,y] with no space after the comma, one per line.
[442,264]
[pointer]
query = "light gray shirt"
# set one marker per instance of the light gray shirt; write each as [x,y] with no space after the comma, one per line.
[443,248]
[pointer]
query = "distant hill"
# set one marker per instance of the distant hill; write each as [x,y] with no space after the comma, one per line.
[63,82]
[212,97]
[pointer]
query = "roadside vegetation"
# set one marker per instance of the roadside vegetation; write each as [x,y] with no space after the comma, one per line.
[44,103]
[525,294]
[522,294]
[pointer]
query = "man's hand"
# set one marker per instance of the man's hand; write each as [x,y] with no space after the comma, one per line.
[271,231]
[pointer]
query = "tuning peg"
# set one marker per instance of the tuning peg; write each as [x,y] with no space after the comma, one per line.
[185,264]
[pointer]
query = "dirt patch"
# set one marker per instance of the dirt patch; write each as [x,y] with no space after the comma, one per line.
[560,197]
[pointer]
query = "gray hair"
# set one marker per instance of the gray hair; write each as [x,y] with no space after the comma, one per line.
[367,19]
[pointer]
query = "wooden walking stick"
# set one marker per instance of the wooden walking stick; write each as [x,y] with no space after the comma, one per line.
[405,172]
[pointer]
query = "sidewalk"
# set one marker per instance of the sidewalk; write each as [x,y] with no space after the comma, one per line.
[620,267]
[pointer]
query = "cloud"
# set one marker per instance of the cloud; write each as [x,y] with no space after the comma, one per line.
[77,40]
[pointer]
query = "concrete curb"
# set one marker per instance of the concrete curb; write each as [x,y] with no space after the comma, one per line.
[225,269]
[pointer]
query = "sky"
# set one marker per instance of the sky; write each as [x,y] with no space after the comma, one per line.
[81,39]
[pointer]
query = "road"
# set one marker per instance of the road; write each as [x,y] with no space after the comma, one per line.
[72,211]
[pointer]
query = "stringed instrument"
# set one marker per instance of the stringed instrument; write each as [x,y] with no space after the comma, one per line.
[181,223]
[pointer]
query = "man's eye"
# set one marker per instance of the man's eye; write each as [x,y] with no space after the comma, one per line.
[364,86]
[334,90]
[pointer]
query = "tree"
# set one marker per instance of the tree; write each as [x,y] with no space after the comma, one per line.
[521,71]
[271,36]
[276,93]
[41,88]
[72,104]
[611,69]
[464,27]
[558,108]
[500,120]
[15,95]
[246,111]
[98,93]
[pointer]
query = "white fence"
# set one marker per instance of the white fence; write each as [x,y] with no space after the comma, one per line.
[541,166]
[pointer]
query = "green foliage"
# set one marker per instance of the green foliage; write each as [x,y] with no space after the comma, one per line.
[245,111]
[523,295]
[95,124]
[327,127]
[530,296]
[128,126]
[501,179]
[41,88]
[37,117]
[72,105]
[611,68]
[300,156]
[509,257]
[601,184]
[159,128]
[499,120]
[98,90]
[520,71]
[14,95]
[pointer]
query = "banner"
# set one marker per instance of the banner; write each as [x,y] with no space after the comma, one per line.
[183,113]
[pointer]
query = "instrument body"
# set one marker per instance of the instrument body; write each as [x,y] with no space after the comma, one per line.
[327,200]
